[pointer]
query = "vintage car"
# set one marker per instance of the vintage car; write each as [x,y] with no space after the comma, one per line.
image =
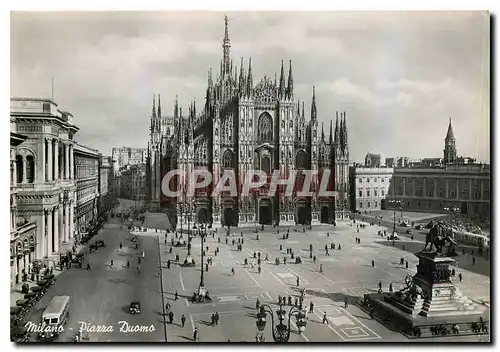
[135,307]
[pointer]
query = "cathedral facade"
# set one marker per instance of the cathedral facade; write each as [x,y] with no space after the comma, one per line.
[244,127]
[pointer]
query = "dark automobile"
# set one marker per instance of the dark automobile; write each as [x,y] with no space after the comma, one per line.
[135,307]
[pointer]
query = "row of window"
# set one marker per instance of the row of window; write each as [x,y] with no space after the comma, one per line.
[375,179]
[369,205]
[475,195]
[375,192]
[85,192]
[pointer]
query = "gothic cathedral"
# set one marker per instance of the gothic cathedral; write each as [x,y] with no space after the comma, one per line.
[244,127]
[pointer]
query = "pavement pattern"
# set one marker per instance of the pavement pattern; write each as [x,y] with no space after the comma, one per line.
[101,296]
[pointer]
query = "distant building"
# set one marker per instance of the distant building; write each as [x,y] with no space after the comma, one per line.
[373,160]
[106,184]
[132,182]
[129,156]
[434,184]
[369,187]
[87,186]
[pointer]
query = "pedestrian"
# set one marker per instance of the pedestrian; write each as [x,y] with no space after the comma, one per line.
[112,263]
[258,261]
[168,264]
[281,247]
[195,334]
[267,258]
[473,260]
[138,269]
[298,281]
[232,270]
[311,307]
[460,277]
[284,260]
[212,319]
[259,269]
[346,303]
[88,268]
[171,317]
[176,295]
[128,264]
[257,304]
[401,261]
[296,302]
[325,320]
[327,253]
[289,300]
[339,247]
[321,268]
[167,308]
[373,263]
[206,267]
[183,320]
[279,300]
[380,285]
[314,259]
[406,264]
[326,247]
[390,287]
[217,318]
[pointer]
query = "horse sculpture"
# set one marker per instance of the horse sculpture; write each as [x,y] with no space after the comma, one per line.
[436,238]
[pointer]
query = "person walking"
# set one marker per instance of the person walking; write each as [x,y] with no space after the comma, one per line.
[257,304]
[259,269]
[121,245]
[217,318]
[346,303]
[473,260]
[406,264]
[171,317]
[311,307]
[298,281]
[390,287]
[112,264]
[373,263]
[195,334]
[325,320]
[460,277]
[183,320]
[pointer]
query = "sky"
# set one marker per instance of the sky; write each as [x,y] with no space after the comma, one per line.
[399,76]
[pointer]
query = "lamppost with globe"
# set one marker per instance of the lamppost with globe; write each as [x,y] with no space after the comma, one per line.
[202,232]
[281,331]
[396,203]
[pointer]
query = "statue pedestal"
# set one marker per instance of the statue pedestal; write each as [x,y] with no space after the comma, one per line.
[431,298]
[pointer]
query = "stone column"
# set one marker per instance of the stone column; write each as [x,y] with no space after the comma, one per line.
[66,161]
[435,187]
[25,174]
[470,189]
[56,229]
[481,182]
[50,232]
[50,160]
[40,237]
[404,187]
[67,219]
[424,188]
[446,185]
[457,196]
[26,261]
[56,159]
[43,160]
[62,225]
[71,162]
[12,275]
[71,219]
[15,266]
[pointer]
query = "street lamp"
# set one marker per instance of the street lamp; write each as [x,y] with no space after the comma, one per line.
[453,209]
[203,234]
[281,331]
[396,202]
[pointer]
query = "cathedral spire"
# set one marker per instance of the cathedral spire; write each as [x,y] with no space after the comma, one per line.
[250,78]
[330,140]
[303,111]
[159,106]
[210,81]
[344,132]
[322,132]
[341,132]
[176,107]
[313,106]
[336,139]
[450,135]
[282,90]
[290,82]
[153,114]
[226,47]
[242,79]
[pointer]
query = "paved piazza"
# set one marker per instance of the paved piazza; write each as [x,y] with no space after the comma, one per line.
[101,296]
[347,273]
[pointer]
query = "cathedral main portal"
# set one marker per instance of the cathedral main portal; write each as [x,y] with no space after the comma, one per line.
[265,212]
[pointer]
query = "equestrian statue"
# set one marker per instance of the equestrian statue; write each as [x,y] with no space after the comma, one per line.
[438,237]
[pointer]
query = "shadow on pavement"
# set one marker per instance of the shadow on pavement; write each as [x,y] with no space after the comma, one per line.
[186,338]
[204,322]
